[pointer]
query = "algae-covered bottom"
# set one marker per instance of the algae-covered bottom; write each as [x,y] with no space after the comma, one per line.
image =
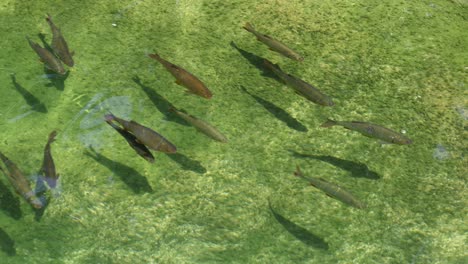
[398,64]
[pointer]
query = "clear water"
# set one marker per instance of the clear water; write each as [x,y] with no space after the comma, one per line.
[402,64]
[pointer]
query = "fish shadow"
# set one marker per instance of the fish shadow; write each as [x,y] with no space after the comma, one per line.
[56,80]
[256,61]
[132,178]
[187,163]
[30,99]
[7,244]
[161,103]
[357,169]
[302,234]
[278,112]
[9,203]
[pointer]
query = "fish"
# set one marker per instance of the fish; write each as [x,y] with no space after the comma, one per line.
[371,130]
[332,190]
[19,182]
[140,149]
[184,78]
[48,58]
[59,45]
[48,166]
[201,125]
[273,44]
[301,87]
[144,135]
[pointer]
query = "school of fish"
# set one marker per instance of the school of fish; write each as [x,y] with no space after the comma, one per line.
[143,139]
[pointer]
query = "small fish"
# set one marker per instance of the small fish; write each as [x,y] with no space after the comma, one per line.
[302,88]
[49,59]
[332,190]
[274,44]
[140,149]
[145,135]
[59,45]
[184,78]
[20,183]
[201,125]
[371,130]
[48,165]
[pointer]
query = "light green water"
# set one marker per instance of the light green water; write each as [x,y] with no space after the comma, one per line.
[402,64]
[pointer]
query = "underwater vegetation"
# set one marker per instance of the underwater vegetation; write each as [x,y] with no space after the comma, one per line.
[195,184]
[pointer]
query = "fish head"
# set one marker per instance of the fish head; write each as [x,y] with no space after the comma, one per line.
[205,93]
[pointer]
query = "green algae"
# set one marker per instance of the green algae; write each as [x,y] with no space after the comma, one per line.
[396,63]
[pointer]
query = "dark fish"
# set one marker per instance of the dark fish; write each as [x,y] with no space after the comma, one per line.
[332,190]
[302,88]
[145,135]
[274,44]
[184,78]
[59,45]
[48,165]
[49,59]
[371,130]
[201,126]
[19,182]
[140,149]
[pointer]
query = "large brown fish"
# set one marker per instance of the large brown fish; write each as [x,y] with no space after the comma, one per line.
[371,130]
[201,125]
[184,78]
[49,59]
[273,44]
[145,135]
[48,166]
[302,88]
[59,45]
[332,190]
[140,149]
[19,182]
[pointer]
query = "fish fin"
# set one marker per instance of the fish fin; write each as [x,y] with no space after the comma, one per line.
[329,123]
[178,82]
[382,143]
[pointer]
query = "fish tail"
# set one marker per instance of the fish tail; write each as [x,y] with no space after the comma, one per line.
[154,56]
[249,27]
[52,136]
[329,123]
